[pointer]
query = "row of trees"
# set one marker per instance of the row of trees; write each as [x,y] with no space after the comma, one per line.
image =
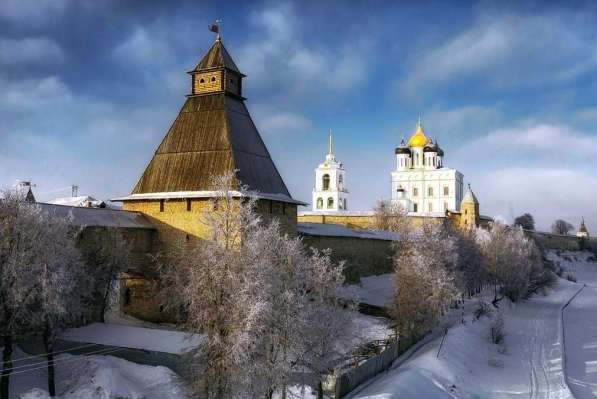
[560,226]
[265,305]
[46,282]
[436,265]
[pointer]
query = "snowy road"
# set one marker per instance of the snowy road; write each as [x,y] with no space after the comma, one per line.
[580,321]
[528,366]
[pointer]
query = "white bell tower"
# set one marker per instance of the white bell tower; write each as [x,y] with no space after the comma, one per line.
[329,192]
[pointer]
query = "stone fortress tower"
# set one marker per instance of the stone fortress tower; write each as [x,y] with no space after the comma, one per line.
[420,183]
[212,135]
[469,210]
[329,192]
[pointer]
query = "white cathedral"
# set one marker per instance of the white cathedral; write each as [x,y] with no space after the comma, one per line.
[420,183]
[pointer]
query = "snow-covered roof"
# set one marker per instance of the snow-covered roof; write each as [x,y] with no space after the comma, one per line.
[81,201]
[166,341]
[336,230]
[98,217]
[336,213]
[368,213]
[204,194]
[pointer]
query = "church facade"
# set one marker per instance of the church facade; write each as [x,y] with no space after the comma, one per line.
[421,183]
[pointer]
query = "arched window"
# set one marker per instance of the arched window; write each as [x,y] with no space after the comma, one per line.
[213,79]
[446,190]
[430,191]
[202,80]
[330,203]
[415,191]
[326,181]
[340,182]
[319,203]
[415,207]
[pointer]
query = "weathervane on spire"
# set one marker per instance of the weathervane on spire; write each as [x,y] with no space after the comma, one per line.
[216,27]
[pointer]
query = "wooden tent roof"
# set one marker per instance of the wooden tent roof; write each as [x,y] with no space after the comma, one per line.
[217,57]
[212,135]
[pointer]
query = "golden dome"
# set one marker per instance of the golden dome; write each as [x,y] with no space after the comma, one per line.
[418,139]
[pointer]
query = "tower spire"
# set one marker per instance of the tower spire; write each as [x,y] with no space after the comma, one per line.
[419,124]
[330,144]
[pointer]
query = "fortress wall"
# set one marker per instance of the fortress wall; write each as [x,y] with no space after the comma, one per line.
[555,241]
[363,256]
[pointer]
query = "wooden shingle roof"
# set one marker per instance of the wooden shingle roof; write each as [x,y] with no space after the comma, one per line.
[217,57]
[212,135]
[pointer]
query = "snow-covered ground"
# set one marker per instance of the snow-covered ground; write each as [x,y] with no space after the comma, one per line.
[174,342]
[580,320]
[528,364]
[93,377]
[373,290]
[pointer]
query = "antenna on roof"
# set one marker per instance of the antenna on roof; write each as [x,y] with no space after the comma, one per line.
[216,28]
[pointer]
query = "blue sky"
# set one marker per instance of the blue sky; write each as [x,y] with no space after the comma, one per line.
[88,89]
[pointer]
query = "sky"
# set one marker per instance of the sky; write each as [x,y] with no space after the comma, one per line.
[89,88]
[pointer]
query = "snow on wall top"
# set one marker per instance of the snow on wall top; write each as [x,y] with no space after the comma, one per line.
[166,341]
[98,217]
[336,230]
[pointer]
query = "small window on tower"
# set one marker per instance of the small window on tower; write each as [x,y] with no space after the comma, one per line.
[202,81]
[213,79]
[319,203]
[446,190]
[415,192]
[415,207]
[330,203]
[430,191]
[161,205]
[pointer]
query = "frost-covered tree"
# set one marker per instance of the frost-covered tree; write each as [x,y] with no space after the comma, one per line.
[561,227]
[390,216]
[255,294]
[62,285]
[39,273]
[18,275]
[509,258]
[329,328]
[205,281]
[526,221]
[472,274]
[426,278]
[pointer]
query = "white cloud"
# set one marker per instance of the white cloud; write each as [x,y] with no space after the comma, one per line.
[143,49]
[276,57]
[548,140]
[36,12]
[508,51]
[458,122]
[31,50]
[547,193]
[283,123]
[29,93]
